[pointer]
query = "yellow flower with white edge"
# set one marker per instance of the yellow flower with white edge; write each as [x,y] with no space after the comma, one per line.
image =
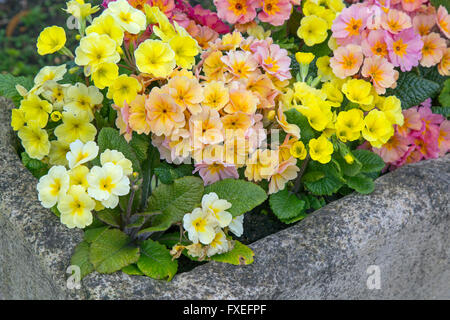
[53,186]
[304,57]
[358,91]
[107,183]
[79,9]
[78,176]
[58,152]
[117,157]
[298,150]
[124,90]
[349,124]
[18,119]
[185,48]
[50,73]
[391,107]
[130,19]
[106,24]
[313,30]
[34,140]
[320,149]
[36,109]
[50,40]
[81,153]
[378,129]
[155,57]
[75,126]
[217,208]
[95,49]
[200,226]
[76,208]
[82,98]
[105,74]
[218,245]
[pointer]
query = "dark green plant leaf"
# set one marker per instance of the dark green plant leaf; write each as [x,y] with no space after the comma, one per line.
[37,168]
[329,184]
[361,183]
[92,234]
[132,270]
[287,206]
[156,262]
[80,258]
[306,132]
[168,173]
[110,217]
[8,86]
[370,161]
[140,144]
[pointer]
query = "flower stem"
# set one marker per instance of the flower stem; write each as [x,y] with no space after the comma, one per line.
[298,181]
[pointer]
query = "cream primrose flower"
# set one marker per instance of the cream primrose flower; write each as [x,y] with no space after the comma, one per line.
[117,158]
[218,245]
[83,98]
[107,183]
[130,19]
[53,186]
[200,226]
[49,73]
[81,153]
[236,225]
[76,208]
[211,204]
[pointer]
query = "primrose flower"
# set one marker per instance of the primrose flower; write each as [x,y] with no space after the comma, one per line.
[53,186]
[350,23]
[298,150]
[241,100]
[274,61]
[50,40]
[378,129]
[443,21]
[334,95]
[394,149]
[423,23]
[444,65]
[286,171]
[185,49]
[275,12]
[79,9]
[405,49]
[395,21]
[136,115]
[106,24]
[58,152]
[216,95]
[213,67]
[312,30]
[82,98]
[349,125]
[200,226]
[117,158]
[412,122]
[18,119]
[76,208]
[206,127]
[241,64]
[347,60]
[34,108]
[238,122]
[78,176]
[433,49]
[381,73]
[187,93]
[105,74]
[130,19]
[358,91]
[107,183]
[81,153]
[218,245]
[75,126]
[55,93]
[95,49]
[320,149]
[215,171]
[155,57]
[49,73]
[262,164]
[411,5]
[290,128]
[374,43]
[212,205]
[236,225]
[34,140]
[124,90]
[236,11]
[323,68]
[444,138]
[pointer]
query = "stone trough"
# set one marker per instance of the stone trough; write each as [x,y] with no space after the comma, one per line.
[393,243]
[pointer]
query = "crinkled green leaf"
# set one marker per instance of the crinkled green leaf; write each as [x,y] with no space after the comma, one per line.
[306,131]
[140,144]
[348,169]
[444,96]
[329,184]
[156,261]
[80,258]
[167,173]
[132,270]
[361,183]
[243,195]
[36,167]
[110,217]
[8,86]
[239,255]
[370,161]
[91,235]
[287,206]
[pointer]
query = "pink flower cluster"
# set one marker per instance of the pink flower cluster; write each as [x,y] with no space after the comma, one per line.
[381,34]
[275,12]
[424,135]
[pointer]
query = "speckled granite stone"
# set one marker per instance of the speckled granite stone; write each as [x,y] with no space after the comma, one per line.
[402,227]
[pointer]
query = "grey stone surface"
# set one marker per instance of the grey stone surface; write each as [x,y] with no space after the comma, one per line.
[402,227]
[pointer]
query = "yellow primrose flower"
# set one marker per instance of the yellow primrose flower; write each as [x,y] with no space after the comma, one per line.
[155,57]
[333,94]
[320,149]
[335,5]
[34,140]
[258,32]
[55,93]
[117,157]
[50,40]
[18,119]
[349,125]
[55,116]
[187,93]
[358,91]
[164,30]
[185,48]
[349,158]
[81,153]
[298,150]
[106,24]
[313,30]
[312,8]
[76,208]
[199,226]
[124,90]
[323,68]
[58,152]
[50,73]
[130,19]
[232,41]
[213,67]
[378,129]
[53,186]
[391,107]
[79,9]
[36,109]
[95,49]
[216,95]
[304,57]
[78,176]
[75,126]
[328,15]
[318,113]
[105,74]
[82,98]
[262,164]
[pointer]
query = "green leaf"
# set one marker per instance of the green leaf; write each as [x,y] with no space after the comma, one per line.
[110,217]
[92,234]
[370,161]
[329,184]
[445,111]
[239,255]
[444,96]
[80,258]
[437,3]
[112,251]
[140,144]
[110,138]
[361,183]
[36,167]
[320,49]
[312,176]
[174,201]
[432,74]
[243,195]
[8,86]
[168,173]
[287,206]
[347,168]
[156,261]
[306,132]
[171,239]
[132,270]
[412,89]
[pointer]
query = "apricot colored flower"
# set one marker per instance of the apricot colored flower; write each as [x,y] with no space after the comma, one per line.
[444,65]
[262,164]
[405,49]
[346,60]
[395,21]
[138,115]
[216,95]
[187,93]
[433,49]
[424,23]
[242,64]
[206,127]
[274,60]
[241,100]
[275,12]
[381,73]
[236,11]
[443,21]
[238,121]
[286,171]
[213,67]
[411,5]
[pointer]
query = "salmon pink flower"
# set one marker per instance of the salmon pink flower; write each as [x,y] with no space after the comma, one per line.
[405,49]
[412,5]
[412,155]
[350,23]
[424,23]
[374,43]
[444,65]
[444,138]
[346,60]
[236,11]
[428,146]
[213,171]
[433,49]
[395,21]
[381,72]
[394,149]
[241,64]
[275,12]
[286,171]
[443,21]
[274,60]
[412,121]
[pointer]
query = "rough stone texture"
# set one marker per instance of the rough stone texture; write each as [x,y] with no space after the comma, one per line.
[402,227]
